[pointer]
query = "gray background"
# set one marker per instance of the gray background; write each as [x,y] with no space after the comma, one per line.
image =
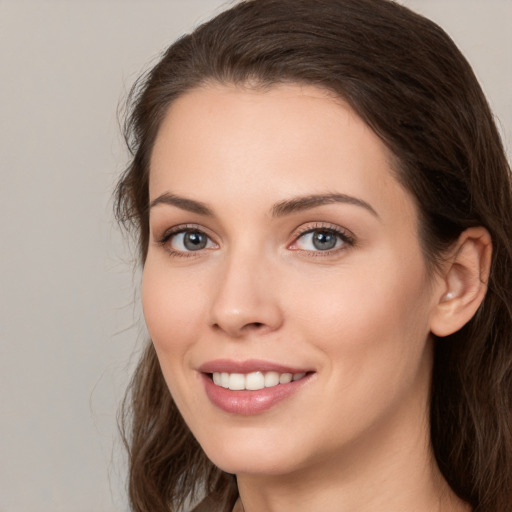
[70,325]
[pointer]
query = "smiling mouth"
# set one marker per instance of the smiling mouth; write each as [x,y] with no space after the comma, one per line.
[251,387]
[253,381]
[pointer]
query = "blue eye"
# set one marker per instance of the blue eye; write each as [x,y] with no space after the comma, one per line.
[188,240]
[321,239]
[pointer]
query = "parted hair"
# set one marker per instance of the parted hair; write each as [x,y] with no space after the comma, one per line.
[404,76]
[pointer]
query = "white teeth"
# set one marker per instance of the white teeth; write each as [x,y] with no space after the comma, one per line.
[236,381]
[271,379]
[253,381]
[284,378]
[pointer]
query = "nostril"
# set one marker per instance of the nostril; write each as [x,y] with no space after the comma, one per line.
[251,325]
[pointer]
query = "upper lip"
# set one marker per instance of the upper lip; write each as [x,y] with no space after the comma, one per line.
[248,366]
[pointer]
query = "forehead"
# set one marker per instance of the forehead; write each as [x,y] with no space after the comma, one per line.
[285,140]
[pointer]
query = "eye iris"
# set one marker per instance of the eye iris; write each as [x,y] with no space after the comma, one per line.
[324,240]
[194,241]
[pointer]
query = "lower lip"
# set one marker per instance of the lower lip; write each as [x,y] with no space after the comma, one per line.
[247,402]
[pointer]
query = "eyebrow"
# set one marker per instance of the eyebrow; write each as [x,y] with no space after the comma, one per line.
[299,204]
[183,203]
[280,209]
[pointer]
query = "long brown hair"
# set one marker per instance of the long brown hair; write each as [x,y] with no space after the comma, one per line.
[407,80]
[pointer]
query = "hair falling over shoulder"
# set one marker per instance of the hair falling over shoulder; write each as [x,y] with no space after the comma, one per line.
[168,469]
[407,80]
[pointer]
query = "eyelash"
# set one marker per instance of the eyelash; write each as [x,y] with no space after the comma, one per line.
[344,235]
[183,228]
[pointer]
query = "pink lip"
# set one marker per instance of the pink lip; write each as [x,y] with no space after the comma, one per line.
[248,366]
[246,402]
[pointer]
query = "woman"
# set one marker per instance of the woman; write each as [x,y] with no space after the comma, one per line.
[323,208]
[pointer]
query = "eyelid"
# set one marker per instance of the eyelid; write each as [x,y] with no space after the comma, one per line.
[346,236]
[180,228]
[166,236]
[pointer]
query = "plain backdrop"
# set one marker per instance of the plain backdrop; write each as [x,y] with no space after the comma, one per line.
[70,323]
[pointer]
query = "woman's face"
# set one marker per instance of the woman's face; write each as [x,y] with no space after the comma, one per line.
[282,247]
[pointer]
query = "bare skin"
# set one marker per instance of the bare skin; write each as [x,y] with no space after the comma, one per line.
[262,182]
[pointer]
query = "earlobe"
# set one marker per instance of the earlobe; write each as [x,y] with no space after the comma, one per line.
[464,282]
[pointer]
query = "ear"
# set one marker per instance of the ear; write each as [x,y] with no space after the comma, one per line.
[463,282]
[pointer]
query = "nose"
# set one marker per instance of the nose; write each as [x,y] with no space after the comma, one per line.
[246,298]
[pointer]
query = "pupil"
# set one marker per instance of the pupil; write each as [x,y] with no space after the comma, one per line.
[324,240]
[194,241]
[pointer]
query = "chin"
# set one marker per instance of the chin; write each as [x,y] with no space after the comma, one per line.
[256,465]
[255,456]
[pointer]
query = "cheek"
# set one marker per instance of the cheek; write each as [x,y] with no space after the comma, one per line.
[369,319]
[370,332]
[172,308]
[174,314]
